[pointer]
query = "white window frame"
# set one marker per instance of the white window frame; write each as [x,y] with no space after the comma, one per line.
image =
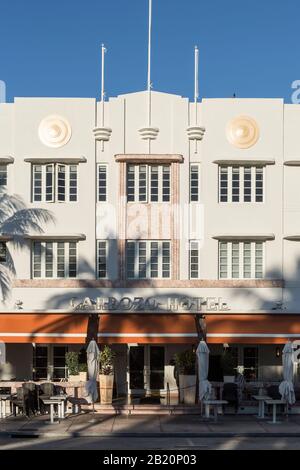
[148,259]
[196,165]
[106,259]
[54,259]
[55,167]
[104,165]
[4,244]
[196,242]
[148,182]
[241,183]
[241,259]
[3,169]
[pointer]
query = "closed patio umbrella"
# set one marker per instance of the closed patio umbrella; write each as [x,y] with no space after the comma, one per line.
[92,364]
[203,359]
[286,388]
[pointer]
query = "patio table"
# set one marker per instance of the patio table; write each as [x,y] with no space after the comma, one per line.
[274,403]
[261,404]
[60,402]
[3,399]
[215,404]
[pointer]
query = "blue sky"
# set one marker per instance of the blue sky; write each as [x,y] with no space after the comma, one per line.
[52,48]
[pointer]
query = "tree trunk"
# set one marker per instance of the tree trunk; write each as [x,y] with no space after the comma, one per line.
[92,328]
[201,331]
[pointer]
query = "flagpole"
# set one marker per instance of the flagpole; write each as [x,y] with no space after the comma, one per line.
[103,50]
[196,91]
[149,63]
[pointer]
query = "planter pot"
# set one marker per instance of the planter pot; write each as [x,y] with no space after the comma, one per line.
[188,383]
[74,378]
[7,371]
[106,389]
[83,376]
[229,379]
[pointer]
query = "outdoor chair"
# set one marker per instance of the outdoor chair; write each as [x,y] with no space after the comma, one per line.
[21,401]
[33,397]
[230,394]
[273,393]
[47,390]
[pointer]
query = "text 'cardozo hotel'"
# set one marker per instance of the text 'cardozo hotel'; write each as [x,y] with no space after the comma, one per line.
[156,221]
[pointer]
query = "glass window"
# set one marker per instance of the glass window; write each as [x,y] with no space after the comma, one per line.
[54,259]
[102,259]
[166,183]
[130,183]
[148,259]
[194,259]
[3,176]
[223,184]
[3,252]
[241,260]
[235,184]
[194,183]
[54,183]
[73,183]
[148,183]
[102,183]
[142,183]
[241,183]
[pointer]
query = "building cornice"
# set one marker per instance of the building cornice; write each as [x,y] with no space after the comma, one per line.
[6,159]
[66,160]
[230,161]
[153,283]
[61,236]
[241,237]
[149,158]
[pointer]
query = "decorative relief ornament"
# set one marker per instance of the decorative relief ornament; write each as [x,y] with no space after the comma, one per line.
[54,131]
[242,132]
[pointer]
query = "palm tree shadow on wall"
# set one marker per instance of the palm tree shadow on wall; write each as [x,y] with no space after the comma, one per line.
[16,221]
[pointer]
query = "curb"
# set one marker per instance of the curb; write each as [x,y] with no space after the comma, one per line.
[36,434]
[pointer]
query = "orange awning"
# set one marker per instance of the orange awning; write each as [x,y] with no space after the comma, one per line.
[143,328]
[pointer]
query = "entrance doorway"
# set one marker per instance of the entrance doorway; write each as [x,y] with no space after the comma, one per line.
[146,369]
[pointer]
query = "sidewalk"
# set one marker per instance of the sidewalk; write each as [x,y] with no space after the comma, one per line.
[153,426]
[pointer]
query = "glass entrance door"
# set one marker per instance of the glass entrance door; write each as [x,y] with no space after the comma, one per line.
[146,368]
[136,367]
[157,367]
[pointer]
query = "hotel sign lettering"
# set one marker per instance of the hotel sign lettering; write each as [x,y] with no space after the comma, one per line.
[150,304]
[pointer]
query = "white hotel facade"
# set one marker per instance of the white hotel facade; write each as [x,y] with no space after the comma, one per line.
[152,224]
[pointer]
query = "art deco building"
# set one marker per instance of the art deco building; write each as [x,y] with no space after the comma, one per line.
[154,223]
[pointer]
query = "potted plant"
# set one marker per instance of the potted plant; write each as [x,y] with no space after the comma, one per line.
[228,366]
[106,375]
[185,363]
[72,366]
[82,369]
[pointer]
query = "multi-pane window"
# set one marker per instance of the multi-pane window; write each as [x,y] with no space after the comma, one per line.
[54,259]
[148,259]
[102,259]
[148,183]
[3,252]
[194,259]
[102,183]
[194,183]
[3,177]
[241,260]
[241,183]
[54,182]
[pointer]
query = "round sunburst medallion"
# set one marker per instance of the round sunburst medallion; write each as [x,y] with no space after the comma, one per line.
[54,131]
[242,132]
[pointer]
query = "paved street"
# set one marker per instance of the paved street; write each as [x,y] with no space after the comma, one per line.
[149,432]
[154,443]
